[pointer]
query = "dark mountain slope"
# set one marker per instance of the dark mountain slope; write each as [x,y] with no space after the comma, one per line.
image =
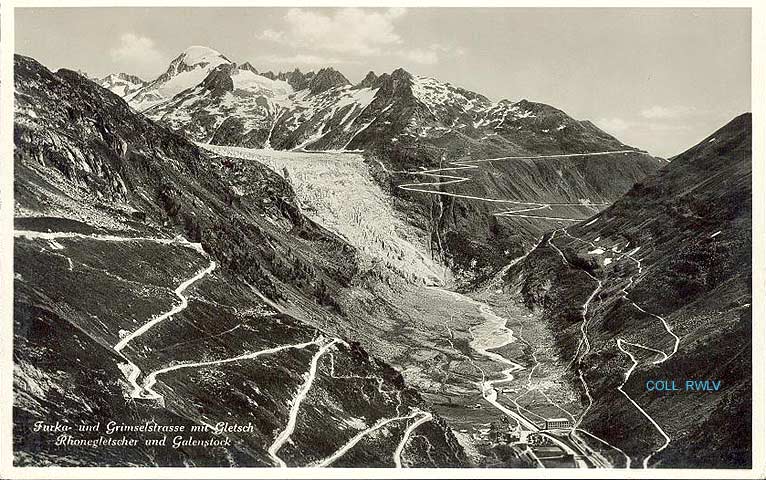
[117,220]
[672,259]
[473,221]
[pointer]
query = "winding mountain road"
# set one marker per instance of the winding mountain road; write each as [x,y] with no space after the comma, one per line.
[326,462]
[623,345]
[425,417]
[146,391]
[526,207]
[645,462]
[179,291]
[284,435]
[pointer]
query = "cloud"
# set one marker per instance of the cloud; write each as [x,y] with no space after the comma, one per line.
[430,55]
[658,112]
[137,54]
[301,59]
[418,55]
[350,33]
[356,31]
[614,125]
[271,35]
[618,126]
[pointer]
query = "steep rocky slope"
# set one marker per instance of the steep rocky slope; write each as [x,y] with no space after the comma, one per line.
[151,286]
[658,287]
[484,214]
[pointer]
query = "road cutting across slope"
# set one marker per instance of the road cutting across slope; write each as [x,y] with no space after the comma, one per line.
[133,371]
[645,463]
[146,390]
[425,417]
[326,462]
[284,435]
[630,255]
[525,207]
[179,291]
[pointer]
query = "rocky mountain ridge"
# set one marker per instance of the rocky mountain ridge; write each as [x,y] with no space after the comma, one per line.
[122,84]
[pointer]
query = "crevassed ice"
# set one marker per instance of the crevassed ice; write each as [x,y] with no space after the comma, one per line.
[338,192]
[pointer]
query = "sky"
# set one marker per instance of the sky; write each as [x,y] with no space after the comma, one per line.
[659,79]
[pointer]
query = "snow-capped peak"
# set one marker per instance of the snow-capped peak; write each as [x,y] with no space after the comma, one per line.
[187,70]
[444,97]
[122,77]
[193,58]
[196,55]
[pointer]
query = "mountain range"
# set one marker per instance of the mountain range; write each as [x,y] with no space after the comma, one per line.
[214,100]
[112,213]
[403,122]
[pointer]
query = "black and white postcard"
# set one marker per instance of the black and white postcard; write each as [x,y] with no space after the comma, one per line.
[461,240]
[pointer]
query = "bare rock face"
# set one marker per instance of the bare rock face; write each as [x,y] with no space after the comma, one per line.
[247,66]
[219,81]
[370,80]
[325,79]
[296,79]
[122,84]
